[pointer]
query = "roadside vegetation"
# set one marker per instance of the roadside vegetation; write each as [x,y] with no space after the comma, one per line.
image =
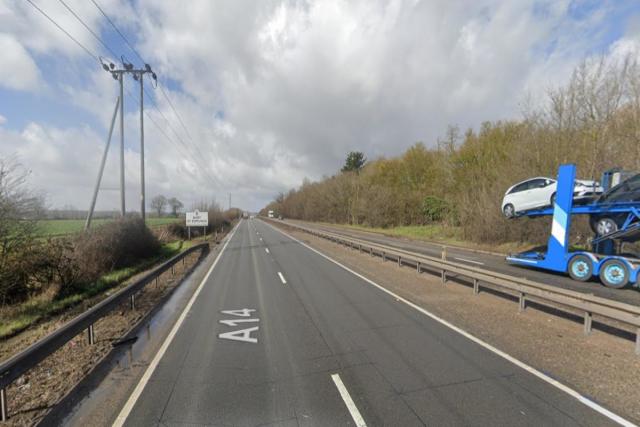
[49,266]
[457,183]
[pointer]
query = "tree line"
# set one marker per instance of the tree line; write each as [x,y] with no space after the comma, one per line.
[159,203]
[459,182]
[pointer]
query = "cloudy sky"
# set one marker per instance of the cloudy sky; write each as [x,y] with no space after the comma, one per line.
[270,92]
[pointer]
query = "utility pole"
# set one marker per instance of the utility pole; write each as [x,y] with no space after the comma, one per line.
[118,74]
[121,81]
[142,201]
[87,223]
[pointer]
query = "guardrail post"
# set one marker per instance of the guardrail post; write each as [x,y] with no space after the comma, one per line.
[360,248]
[444,277]
[173,270]
[399,261]
[522,302]
[444,253]
[384,256]
[4,410]
[587,322]
[156,282]
[371,251]
[90,335]
[133,301]
[638,341]
[476,286]
[418,267]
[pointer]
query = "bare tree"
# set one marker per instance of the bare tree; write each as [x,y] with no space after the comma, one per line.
[158,203]
[175,205]
[20,209]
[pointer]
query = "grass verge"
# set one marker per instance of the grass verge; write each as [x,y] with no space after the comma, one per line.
[16,319]
[437,233]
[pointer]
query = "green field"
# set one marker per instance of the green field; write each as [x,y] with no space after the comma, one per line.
[61,227]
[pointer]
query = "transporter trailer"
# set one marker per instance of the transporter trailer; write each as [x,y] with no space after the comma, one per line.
[614,271]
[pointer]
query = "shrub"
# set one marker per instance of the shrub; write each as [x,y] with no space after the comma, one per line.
[435,209]
[177,230]
[116,244]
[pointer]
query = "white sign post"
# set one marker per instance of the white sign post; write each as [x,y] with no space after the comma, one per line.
[197,219]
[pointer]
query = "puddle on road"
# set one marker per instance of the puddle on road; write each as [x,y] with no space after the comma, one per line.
[103,402]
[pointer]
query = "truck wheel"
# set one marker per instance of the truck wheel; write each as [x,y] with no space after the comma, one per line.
[580,268]
[614,273]
[605,226]
[509,211]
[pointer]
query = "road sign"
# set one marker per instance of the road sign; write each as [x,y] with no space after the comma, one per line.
[197,219]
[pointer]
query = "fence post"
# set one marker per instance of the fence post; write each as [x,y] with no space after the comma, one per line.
[587,322]
[90,335]
[4,410]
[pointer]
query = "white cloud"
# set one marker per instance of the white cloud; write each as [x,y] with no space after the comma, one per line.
[274,91]
[3,120]
[18,70]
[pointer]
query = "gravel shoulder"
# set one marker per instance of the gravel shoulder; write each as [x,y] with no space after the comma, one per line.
[601,366]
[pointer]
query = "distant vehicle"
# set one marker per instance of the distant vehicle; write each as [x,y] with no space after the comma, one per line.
[540,192]
[270,214]
[626,191]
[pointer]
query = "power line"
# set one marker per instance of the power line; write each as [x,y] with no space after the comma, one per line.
[91,54]
[155,105]
[133,49]
[187,152]
[96,57]
[89,29]
[175,111]
[95,3]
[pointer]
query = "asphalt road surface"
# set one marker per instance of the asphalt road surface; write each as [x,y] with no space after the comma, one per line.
[490,262]
[279,335]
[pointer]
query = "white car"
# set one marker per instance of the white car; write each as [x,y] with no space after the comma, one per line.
[540,192]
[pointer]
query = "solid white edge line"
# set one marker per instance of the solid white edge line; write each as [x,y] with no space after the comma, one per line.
[128,407]
[346,397]
[469,260]
[284,282]
[571,392]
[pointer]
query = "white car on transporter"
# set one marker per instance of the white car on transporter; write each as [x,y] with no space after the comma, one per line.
[539,192]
